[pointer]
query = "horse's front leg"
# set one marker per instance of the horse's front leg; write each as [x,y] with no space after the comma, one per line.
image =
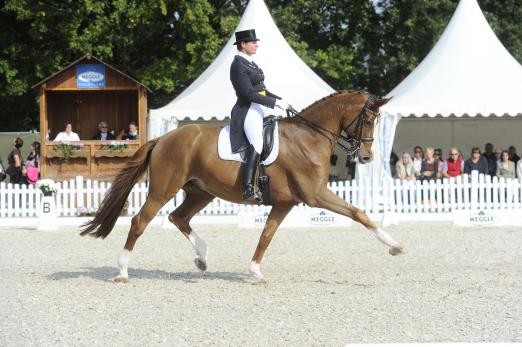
[330,201]
[276,216]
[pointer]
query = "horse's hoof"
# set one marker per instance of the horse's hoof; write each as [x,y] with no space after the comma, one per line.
[200,264]
[259,281]
[120,279]
[397,250]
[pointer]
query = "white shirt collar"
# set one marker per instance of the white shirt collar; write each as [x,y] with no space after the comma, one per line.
[246,56]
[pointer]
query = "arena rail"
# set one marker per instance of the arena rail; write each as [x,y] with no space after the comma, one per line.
[81,196]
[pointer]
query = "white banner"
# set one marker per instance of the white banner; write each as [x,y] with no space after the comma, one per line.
[473,218]
[298,217]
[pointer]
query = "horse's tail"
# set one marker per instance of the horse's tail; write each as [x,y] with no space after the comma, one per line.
[116,197]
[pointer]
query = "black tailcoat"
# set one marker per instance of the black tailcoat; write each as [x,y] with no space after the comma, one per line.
[248,80]
[110,136]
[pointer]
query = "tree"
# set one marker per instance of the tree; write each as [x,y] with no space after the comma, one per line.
[352,44]
[164,44]
[373,45]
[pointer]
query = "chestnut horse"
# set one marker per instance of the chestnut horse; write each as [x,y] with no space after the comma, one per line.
[187,159]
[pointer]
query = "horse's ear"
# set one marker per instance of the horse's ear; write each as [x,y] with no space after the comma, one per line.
[378,102]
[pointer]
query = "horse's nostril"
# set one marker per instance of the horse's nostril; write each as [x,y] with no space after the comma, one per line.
[366,159]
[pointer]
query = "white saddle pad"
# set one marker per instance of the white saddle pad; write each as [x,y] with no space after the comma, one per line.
[225,148]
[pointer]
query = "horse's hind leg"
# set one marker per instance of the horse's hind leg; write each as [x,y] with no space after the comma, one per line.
[276,216]
[195,200]
[139,222]
[329,200]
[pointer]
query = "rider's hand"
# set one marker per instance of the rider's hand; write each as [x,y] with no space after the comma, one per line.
[283,105]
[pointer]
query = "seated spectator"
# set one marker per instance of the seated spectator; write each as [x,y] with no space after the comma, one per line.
[513,154]
[131,134]
[14,160]
[476,162]
[103,133]
[67,135]
[3,175]
[437,154]
[506,168]
[519,170]
[394,159]
[334,170]
[454,165]
[431,167]
[490,157]
[404,168]
[498,153]
[31,169]
[350,168]
[418,156]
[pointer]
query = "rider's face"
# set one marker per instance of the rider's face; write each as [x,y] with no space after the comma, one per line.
[249,47]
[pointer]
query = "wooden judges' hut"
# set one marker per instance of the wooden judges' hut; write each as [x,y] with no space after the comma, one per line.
[83,94]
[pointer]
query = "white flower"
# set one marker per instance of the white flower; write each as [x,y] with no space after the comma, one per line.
[81,209]
[45,181]
[47,186]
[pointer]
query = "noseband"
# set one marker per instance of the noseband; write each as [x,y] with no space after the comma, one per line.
[352,142]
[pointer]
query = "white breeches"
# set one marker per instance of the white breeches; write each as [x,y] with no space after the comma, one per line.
[254,124]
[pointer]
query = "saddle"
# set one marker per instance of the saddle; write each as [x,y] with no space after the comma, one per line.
[269,125]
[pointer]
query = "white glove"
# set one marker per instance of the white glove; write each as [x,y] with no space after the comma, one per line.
[280,103]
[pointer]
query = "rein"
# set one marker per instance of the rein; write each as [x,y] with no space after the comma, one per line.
[352,142]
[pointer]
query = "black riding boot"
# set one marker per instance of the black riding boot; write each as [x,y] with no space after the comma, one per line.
[249,176]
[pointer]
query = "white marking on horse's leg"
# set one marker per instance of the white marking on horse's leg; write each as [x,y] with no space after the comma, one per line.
[255,271]
[384,237]
[199,246]
[123,264]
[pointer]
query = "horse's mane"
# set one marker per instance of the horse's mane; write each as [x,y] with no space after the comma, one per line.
[355,92]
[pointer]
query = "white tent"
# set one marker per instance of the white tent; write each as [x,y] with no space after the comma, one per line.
[211,95]
[468,73]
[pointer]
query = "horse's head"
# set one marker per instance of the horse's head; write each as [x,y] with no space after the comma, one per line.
[360,128]
[352,111]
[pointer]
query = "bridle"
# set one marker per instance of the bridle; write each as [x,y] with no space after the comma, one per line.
[352,142]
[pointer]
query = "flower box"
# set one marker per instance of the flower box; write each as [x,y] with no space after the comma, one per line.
[75,154]
[114,154]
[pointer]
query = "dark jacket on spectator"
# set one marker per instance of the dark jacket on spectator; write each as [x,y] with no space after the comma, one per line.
[128,136]
[492,164]
[481,166]
[110,136]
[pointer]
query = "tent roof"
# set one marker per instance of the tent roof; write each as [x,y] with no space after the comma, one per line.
[468,72]
[212,94]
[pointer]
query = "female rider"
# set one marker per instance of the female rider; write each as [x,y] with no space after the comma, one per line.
[253,104]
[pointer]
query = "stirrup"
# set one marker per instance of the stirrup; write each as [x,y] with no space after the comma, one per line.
[252,194]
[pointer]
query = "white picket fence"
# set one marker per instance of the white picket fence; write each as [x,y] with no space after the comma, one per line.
[371,196]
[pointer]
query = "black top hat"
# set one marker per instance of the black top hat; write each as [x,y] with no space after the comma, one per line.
[245,35]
